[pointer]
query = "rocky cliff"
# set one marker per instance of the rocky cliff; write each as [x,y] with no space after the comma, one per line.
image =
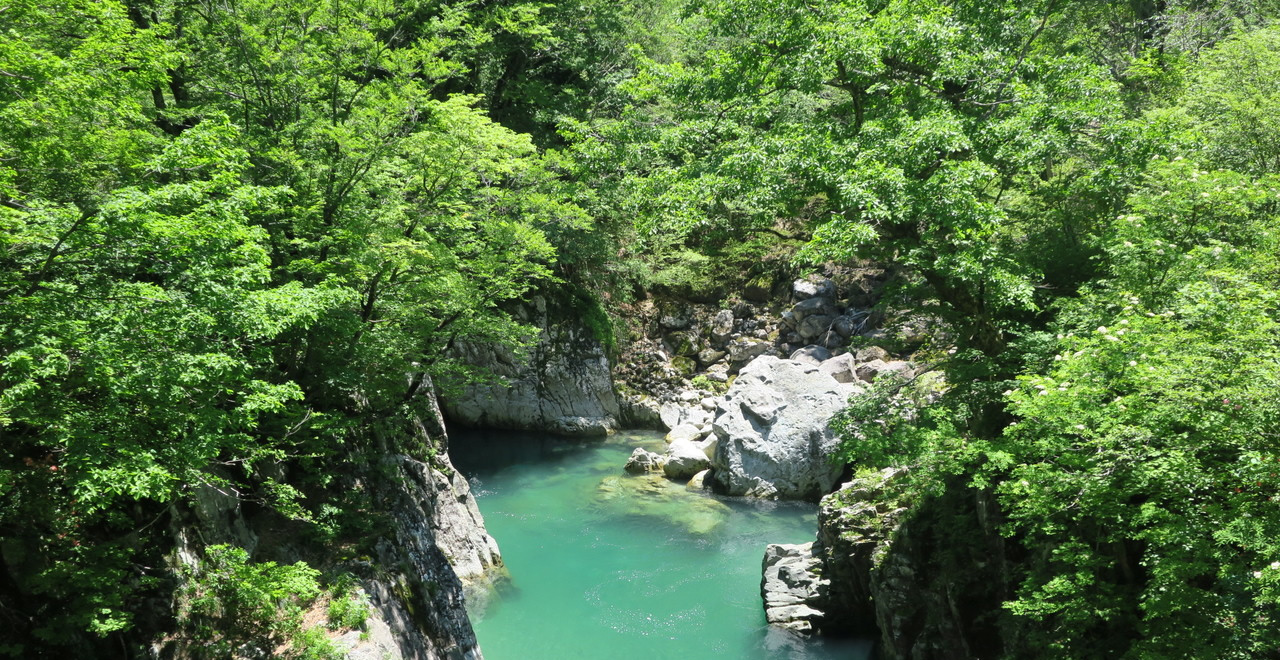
[891,569]
[427,554]
[564,384]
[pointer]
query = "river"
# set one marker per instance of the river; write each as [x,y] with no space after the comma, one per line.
[608,566]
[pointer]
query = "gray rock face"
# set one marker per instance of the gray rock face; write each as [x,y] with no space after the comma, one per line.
[773,433]
[792,586]
[432,556]
[564,386]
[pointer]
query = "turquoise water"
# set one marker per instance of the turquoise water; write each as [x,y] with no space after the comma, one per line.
[608,566]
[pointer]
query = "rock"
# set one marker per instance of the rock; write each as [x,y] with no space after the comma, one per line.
[813,327]
[791,586]
[684,366]
[843,368]
[850,324]
[684,459]
[814,355]
[813,288]
[698,481]
[722,326]
[683,344]
[563,385]
[745,350]
[708,404]
[639,412]
[872,370]
[654,496]
[671,414]
[870,353]
[708,444]
[758,289]
[684,432]
[773,432]
[710,356]
[643,461]
[689,396]
[676,317]
[909,576]
[813,307]
[697,416]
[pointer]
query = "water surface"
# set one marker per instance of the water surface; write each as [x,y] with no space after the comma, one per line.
[608,566]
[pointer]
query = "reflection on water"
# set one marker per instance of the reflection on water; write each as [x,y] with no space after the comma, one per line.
[606,565]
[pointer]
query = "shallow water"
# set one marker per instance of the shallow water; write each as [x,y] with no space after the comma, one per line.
[608,566]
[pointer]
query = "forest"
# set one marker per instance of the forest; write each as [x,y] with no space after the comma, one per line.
[238,239]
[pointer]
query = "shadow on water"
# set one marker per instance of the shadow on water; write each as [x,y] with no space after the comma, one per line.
[479,453]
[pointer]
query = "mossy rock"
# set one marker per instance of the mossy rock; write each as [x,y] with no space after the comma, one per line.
[685,366]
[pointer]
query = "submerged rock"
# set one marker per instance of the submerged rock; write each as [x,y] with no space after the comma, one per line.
[773,431]
[654,496]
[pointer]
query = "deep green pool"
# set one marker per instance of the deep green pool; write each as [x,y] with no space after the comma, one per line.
[606,566]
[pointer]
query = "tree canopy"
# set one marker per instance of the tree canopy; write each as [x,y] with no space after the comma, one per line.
[239,235]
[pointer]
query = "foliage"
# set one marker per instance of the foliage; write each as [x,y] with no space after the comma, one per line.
[232,237]
[230,602]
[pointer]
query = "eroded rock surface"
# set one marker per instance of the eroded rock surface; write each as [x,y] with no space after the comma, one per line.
[563,386]
[773,431]
[792,587]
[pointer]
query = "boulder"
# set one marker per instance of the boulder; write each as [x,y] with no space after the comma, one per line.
[813,287]
[870,353]
[813,307]
[710,356]
[684,366]
[758,289]
[722,326]
[815,326]
[743,351]
[843,368]
[811,354]
[643,461]
[847,326]
[869,371]
[684,433]
[671,414]
[638,411]
[684,459]
[682,343]
[792,586]
[676,317]
[773,431]
[698,481]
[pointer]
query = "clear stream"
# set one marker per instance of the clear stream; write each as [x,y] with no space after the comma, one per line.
[608,566]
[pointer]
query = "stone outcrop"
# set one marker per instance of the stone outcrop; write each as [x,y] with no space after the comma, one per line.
[773,431]
[897,571]
[792,585]
[432,555]
[563,386]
